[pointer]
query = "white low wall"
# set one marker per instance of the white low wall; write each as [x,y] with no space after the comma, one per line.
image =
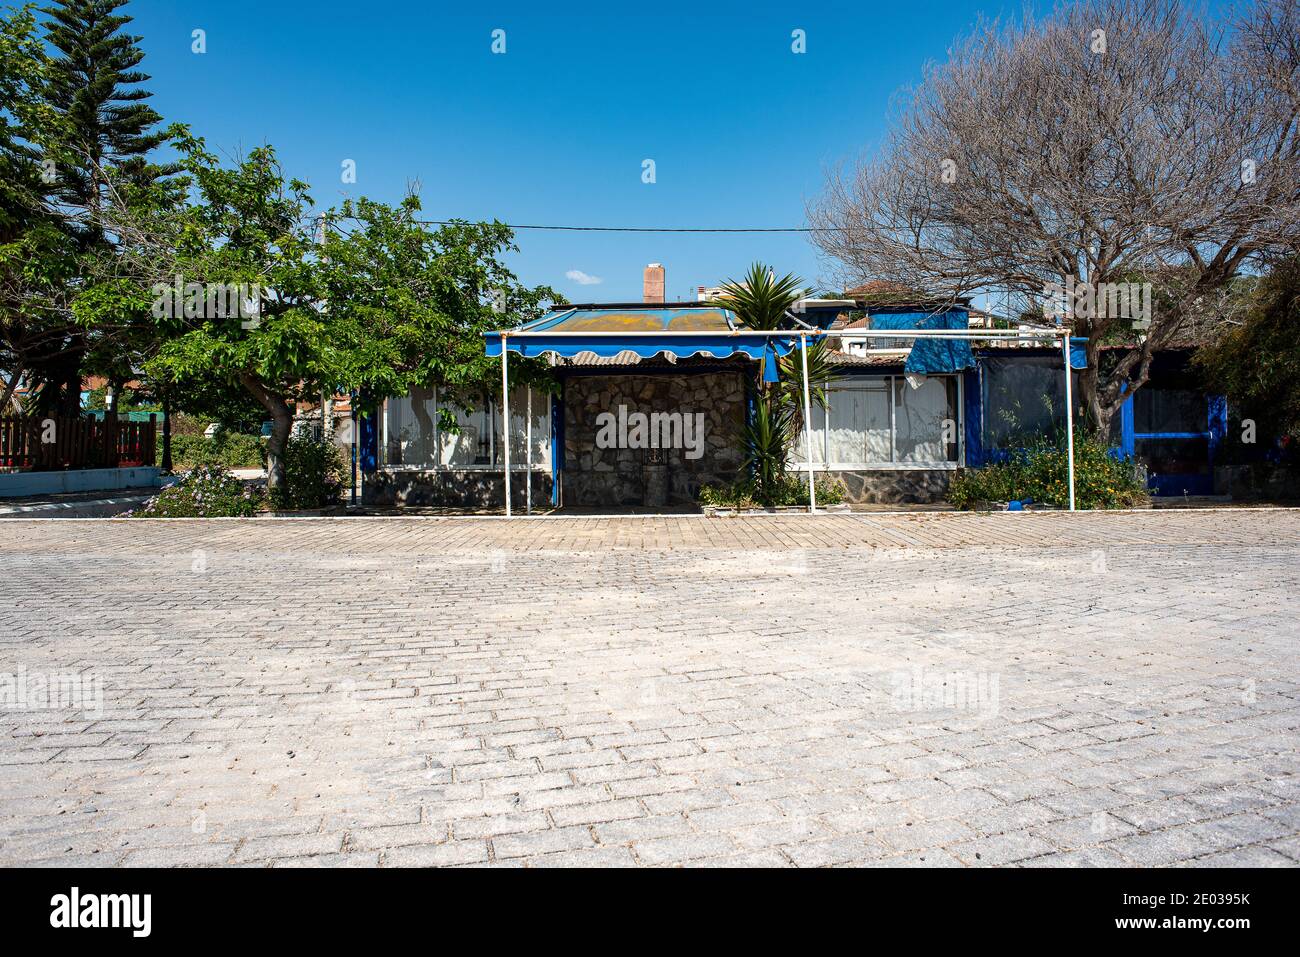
[15,484]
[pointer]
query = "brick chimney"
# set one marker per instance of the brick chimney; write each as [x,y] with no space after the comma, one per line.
[653,287]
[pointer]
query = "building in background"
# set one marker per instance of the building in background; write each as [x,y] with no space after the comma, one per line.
[902,416]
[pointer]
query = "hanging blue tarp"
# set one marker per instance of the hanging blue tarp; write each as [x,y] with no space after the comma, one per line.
[930,356]
[1078,357]
[680,331]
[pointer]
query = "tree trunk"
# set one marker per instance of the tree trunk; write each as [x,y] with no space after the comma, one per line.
[71,399]
[281,424]
[1102,426]
[10,387]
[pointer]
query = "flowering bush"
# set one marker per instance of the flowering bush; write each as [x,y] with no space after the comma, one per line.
[313,475]
[1040,474]
[203,492]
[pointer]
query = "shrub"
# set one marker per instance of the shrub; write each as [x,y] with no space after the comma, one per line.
[203,492]
[231,450]
[313,475]
[790,489]
[1040,474]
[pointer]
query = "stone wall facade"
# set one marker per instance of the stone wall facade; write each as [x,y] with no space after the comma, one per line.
[1257,481]
[896,486]
[411,488]
[623,476]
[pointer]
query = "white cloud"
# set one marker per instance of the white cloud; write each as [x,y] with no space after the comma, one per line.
[582,279]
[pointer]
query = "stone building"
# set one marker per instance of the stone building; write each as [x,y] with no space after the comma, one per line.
[650,401]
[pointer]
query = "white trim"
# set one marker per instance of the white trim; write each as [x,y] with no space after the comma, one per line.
[961,420]
[514,468]
[888,467]
[969,334]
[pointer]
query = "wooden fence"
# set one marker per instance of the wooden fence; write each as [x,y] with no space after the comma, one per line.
[51,444]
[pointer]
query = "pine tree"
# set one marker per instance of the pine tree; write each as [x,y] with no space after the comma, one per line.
[94,84]
[108,132]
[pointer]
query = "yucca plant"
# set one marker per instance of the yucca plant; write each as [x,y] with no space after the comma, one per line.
[760,300]
[767,443]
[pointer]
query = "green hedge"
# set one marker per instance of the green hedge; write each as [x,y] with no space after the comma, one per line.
[1041,474]
[231,450]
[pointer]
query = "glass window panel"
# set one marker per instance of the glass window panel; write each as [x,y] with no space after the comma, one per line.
[1024,398]
[1169,410]
[859,424]
[541,450]
[919,417]
[471,444]
[1173,456]
[410,426]
[799,446]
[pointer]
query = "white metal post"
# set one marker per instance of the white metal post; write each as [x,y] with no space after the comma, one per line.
[1069,414]
[807,423]
[505,413]
[528,452]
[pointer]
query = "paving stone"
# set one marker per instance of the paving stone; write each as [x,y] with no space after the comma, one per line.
[703,706]
[586,857]
[437,855]
[541,842]
[681,850]
[1001,849]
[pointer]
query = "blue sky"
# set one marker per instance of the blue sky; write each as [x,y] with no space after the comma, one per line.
[555,131]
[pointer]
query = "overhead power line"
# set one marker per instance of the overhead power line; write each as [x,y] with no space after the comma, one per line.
[637,229]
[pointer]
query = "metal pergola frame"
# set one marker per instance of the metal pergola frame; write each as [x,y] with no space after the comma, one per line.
[804,334]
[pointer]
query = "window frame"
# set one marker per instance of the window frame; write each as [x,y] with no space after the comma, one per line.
[893,465]
[493,417]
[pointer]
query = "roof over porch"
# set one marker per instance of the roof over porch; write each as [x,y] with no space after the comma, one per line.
[639,331]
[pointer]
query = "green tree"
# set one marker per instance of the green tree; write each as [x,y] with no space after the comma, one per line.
[37,257]
[411,304]
[364,298]
[94,84]
[106,133]
[1254,362]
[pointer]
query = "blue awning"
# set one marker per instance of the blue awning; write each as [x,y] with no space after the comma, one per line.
[681,331]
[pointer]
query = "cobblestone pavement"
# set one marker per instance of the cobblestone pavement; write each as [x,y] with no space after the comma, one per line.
[924,690]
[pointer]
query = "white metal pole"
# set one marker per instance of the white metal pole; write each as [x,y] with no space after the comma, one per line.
[528,452]
[505,413]
[1069,414]
[807,424]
